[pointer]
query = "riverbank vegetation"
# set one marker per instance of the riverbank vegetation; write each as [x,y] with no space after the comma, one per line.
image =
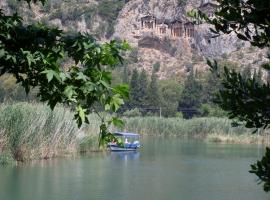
[210,129]
[33,131]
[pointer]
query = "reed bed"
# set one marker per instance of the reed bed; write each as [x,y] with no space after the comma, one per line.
[32,131]
[210,129]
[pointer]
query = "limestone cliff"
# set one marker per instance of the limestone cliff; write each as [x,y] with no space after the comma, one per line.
[176,56]
[171,39]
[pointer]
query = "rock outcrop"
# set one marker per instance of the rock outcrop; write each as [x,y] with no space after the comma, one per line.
[176,50]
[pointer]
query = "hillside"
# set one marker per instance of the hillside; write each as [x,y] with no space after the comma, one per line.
[159,31]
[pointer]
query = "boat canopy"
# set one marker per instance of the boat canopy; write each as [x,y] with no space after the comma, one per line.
[124,134]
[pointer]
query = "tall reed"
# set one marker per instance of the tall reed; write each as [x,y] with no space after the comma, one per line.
[214,129]
[31,131]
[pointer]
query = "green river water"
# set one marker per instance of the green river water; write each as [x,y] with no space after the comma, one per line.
[164,169]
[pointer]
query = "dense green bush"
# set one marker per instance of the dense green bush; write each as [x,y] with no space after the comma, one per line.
[211,111]
[132,113]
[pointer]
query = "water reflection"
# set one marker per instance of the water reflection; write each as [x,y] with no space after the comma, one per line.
[164,169]
[125,156]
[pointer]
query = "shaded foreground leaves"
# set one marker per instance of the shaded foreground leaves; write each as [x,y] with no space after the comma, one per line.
[33,55]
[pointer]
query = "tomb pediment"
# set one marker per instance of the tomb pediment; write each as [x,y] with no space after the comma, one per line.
[148,18]
[176,28]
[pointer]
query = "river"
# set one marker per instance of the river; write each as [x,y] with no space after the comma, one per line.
[164,169]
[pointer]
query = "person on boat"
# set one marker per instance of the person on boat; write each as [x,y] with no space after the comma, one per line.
[113,141]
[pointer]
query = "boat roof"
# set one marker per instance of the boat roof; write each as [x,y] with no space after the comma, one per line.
[126,134]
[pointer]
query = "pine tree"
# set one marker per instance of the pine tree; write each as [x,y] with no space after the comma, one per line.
[134,88]
[191,95]
[213,84]
[153,92]
[143,84]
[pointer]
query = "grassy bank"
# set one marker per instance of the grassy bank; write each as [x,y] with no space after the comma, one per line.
[33,131]
[210,129]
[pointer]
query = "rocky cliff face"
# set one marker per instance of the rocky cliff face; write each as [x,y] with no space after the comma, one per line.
[175,55]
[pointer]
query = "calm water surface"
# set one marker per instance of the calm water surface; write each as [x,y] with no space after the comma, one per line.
[165,169]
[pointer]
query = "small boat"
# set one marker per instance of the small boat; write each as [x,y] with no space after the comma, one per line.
[130,142]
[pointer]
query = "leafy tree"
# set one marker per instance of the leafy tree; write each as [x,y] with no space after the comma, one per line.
[245,99]
[170,91]
[249,20]
[211,110]
[33,54]
[191,95]
[138,87]
[132,113]
[211,87]
[261,169]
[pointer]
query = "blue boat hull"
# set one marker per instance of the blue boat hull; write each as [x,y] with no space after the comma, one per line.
[117,148]
[121,149]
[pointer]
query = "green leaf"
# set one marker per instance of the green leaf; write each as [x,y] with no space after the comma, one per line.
[62,76]
[30,59]
[117,122]
[69,91]
[81,76]
[107,107]
[122,90]
[49,74]
[2,53]
[104,83]
[116,102]
[126,46]
[81,113]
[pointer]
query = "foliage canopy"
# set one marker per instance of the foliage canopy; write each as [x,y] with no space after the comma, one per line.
[245,98]
[33,54]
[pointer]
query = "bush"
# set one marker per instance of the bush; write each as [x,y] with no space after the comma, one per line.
[132,113]
[224,56]
[179,115]
[133,56]
[156,67]
[210,110]
[182,2]
[6,159]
